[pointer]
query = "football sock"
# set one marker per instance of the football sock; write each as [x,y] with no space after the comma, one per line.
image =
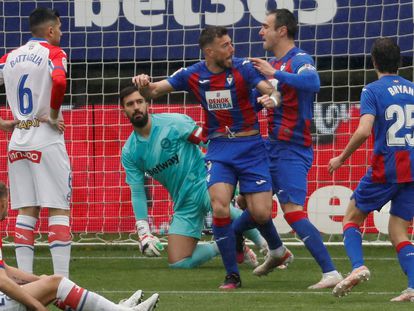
[201,254]
[353,244]
[405,251]
[252,234]
[78,298]
[226,242]
[60,242]
[312,239]
[24,242]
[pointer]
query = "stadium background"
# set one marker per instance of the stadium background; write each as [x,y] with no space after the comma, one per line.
[108,42]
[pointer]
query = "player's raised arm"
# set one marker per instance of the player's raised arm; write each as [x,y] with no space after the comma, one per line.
[150,89]
[358,138]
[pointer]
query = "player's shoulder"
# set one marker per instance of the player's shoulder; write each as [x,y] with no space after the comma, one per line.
[170,119]
[240,62]
[300,55]
[129,144]
[53,50]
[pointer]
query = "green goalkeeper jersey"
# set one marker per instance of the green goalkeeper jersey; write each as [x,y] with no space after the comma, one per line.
[170,155]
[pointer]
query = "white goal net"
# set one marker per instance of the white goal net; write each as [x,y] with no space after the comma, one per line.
[108,42]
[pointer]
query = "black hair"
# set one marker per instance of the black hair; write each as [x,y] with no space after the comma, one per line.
[40,16]
[284,17]
[126,92]
[209,33]
[386,55]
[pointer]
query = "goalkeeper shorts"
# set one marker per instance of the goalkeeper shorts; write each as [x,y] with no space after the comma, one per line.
[188,218]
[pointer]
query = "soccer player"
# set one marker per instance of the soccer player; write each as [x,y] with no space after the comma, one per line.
[39,171]
[289,128]
[165,147]
[387,107]
[19,289]
[236,152]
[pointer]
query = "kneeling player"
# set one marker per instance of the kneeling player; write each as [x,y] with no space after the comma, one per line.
[164,146]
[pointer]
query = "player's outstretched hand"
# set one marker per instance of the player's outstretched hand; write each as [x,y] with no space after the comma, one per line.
[8,125]
[263,66]
[141,81]
[334,164]
[271,101]
[150,246]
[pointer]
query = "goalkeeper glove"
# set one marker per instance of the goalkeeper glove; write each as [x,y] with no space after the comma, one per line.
[149,245]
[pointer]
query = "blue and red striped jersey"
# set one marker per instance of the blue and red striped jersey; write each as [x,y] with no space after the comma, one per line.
[225,97]
[291,121]
[391,100]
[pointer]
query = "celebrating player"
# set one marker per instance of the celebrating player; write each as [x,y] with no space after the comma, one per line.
[36,292]
[387,107]
[290,143]
[164,146]
[39,171]
[236,152]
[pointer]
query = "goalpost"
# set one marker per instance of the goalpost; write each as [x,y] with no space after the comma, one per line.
[108,42]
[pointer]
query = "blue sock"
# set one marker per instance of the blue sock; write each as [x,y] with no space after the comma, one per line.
[267,230]
[353,245]
[201,254]
[405,252]
[312,239]
[226,242]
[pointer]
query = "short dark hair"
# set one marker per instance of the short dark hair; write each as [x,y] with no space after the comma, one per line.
[386,54]
[126,91]
[284,17]
[209,33]
[39,16]
[3,190]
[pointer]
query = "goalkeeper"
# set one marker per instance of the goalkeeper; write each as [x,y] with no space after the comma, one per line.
[165,147]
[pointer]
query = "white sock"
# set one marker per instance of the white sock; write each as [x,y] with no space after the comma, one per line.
[60,242]
[278,252]
[79,298]
[24,242]
[331,273]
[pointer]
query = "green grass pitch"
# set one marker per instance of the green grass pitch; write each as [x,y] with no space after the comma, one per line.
[116,271]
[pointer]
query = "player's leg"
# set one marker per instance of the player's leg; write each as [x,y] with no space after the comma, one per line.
[55,187]
[23,198]
[185,231]
[252,234]
[367,197]
[220,195]
[68,294]
[402,213]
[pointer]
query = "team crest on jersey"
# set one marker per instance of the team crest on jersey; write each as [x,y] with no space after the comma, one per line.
[219,100]
[229,79]
[282,67]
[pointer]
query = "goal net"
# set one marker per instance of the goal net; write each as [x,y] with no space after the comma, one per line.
[108,42]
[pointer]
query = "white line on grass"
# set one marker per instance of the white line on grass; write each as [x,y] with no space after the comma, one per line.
[243,292]
[218,257]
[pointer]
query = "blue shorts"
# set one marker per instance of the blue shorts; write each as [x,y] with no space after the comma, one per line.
[241,159]
[289,167]
[370,196]
[188,217]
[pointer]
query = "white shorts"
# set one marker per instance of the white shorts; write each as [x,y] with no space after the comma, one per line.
[40,177]
[8,304]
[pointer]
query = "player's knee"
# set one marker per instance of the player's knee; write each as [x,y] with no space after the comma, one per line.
[54,279]
[262,216]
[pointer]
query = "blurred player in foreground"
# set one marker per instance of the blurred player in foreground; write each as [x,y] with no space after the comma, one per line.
[21,291]
[290,149]
[165,147]
[39,170]
[387,109]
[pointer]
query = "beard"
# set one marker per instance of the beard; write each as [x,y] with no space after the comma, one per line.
[225,64]
[141,122]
